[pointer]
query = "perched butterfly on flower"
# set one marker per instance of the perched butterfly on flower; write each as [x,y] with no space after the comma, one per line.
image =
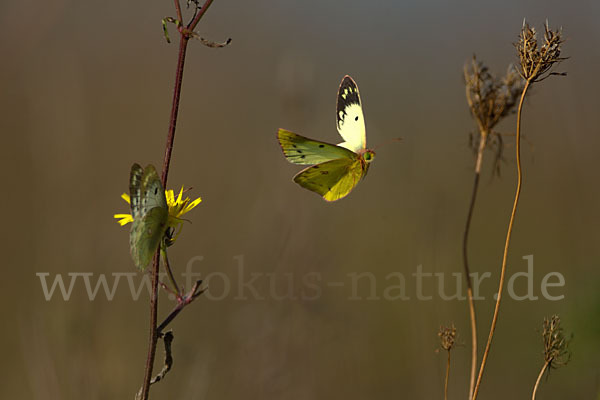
[150,214]
[340,167]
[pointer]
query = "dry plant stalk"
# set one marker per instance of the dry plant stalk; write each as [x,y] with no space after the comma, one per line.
[536,63]
[490,99]
[447,335]
[556,352]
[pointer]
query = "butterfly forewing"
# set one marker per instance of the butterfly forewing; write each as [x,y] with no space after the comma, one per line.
[301,150]
[153,194]
[135,189]
[349,116]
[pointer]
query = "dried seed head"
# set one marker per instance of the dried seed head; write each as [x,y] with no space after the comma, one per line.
[536,61]
[447,336]
[490,98]
[556,352]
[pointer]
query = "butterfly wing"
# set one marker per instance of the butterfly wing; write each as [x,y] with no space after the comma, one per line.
[332,179]
[135,189]
[301,150]
[153,194]
[146,234]
[350,119]
[150,214]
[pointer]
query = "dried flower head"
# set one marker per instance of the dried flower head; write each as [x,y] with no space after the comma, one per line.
[536,61]
[448,337]
[490,99]
[556,352]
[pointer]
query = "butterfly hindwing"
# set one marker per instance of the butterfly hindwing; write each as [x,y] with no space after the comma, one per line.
[332,179]
[146,234]
[301,150]
[350,120]
[150,214]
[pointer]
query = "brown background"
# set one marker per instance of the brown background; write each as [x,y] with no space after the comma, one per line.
[85,92]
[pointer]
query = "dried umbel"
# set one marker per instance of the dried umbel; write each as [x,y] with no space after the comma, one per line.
[447,336]
[536,61]
[556,352]
[490,99]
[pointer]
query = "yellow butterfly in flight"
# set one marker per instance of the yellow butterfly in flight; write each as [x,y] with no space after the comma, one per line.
[336,169]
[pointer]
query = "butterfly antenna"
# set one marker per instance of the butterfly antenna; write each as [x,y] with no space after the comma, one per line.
[392,140]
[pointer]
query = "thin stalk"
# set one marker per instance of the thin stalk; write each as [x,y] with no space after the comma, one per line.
[174,107]
[506,245]
[181,304]
[447,376]
[539,378]
[478,162]
[170,274]
[184,39]
[178,10]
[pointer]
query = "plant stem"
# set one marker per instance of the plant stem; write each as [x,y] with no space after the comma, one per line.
[170,274]
[184,39]
[482,143]
[539,378]
[181,303]
[175,107]
[447,376]
[153,337]
[192,25]
[506,245]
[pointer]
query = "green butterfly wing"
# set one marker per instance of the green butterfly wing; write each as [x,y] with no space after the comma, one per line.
[333,179]
[150,214]
[301,150]
[135,190]
[146,235]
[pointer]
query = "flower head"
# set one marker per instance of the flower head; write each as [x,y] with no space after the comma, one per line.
[178,206]
[490,98]
[556,345]
[447,335]
[536,60]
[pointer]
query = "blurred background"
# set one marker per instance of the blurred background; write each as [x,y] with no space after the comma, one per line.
[86,91]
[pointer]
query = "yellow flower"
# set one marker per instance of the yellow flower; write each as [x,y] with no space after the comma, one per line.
[178,206]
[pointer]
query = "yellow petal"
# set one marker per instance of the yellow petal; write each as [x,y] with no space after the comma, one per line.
[124,219]
[169,196]
[191,205]
[125,197]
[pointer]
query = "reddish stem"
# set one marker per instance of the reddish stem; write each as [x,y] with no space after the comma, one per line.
[184,38]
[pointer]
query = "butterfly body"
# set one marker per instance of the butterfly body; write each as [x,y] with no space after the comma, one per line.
[336,169]
[149,211]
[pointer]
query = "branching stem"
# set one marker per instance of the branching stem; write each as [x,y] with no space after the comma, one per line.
[184,39]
